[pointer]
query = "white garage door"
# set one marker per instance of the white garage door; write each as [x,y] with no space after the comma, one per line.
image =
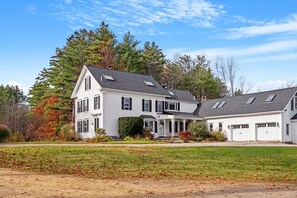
[240,132]
[266,132]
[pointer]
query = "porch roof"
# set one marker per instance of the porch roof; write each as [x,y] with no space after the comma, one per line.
[148,117]
[182,115]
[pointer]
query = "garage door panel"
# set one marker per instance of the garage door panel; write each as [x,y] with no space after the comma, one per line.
[240,132]
[266,132]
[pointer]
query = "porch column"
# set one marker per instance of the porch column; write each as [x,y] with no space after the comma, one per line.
[164,128]
[178,126]
[158,127]
[172,127]
[184,125]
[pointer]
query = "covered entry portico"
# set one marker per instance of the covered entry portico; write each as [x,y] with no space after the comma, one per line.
[170,124]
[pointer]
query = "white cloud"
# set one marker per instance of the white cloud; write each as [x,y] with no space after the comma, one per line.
[287,25]
[31,9]
[21,86]
[68,1]
[268,85]
[136,13]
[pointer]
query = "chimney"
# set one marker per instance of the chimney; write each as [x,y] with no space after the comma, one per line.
[203,98]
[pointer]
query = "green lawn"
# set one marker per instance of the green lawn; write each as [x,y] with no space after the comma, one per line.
[197,163]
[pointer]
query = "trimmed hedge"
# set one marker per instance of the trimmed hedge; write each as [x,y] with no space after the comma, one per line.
[4,132]
[130,126]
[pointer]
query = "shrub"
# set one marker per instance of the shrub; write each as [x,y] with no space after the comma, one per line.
[100,136]
[186,136]
[68,133]
[17,137]
[217,136]
[199,130]
[4,132]
[147,134]
[130,126]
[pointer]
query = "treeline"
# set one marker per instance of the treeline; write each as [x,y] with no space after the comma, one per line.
[49,98]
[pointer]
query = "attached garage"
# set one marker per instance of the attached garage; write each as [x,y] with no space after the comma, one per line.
[240,132]
[266,131]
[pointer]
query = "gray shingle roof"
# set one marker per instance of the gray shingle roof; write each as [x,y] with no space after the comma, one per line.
[181,95]
[237,104]
[126,81]
[294,117]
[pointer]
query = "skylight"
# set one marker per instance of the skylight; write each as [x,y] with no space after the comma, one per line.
[107,77]
[171,93]
[221,104]
[216,105]
[148,83]
[250,100]
[270,98]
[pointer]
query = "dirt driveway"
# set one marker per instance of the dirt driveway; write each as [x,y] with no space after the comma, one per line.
[20,184]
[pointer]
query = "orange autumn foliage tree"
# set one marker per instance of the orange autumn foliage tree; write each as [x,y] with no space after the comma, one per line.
[47,118]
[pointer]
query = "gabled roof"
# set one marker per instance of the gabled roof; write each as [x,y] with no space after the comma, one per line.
[181,95]
[126,81]
[237,104]
[294,117]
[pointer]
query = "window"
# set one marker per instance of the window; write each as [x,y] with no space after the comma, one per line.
[97,102]
[216,105]
[172,106]
[287,129]
[126,103]
[271,124]
[146,105]
[236,126]
[79,106]
[296,101]
[210,127]
[107,77]
[79,126]
[292,105]
[270,98]
[221,104]
[250,100]
[96,123]
[245,126]
[88,83]
[85,105]
[148,83]
[159,106]
[220,126]
[86,125]
[261,125]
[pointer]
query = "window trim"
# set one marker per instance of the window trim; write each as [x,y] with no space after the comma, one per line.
[87,83]
[96,102]
[125,104]
[85,125]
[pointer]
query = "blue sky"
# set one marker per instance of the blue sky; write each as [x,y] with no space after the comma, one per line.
[260,35]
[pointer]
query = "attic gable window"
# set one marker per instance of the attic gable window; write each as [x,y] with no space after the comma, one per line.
[88,83]
[148,83]
[270,98]
[250,100]
[107,77]
[170,92]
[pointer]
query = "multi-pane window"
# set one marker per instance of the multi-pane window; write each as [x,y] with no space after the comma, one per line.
[126,103]
[172,106]
[85,105]
[220,126]
[292,105]
[79,106]
[86,125]
[210,127]
[296,101]
[96,123]
[146,105]
[97,102]
[287,129]
[79,126]
[159,106]
[88,83]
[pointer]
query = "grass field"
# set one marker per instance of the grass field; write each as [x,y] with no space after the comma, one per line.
[273,164]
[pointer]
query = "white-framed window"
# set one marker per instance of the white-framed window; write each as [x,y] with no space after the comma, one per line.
[173,106]
[86,125]
[85,105]
[79,106]
[97,102]
[210,127]
[159,106]
[96,123]
[79,126]
[126,103]
[287,129]
[146,105]
[88,83]
[296,101]
[220,126]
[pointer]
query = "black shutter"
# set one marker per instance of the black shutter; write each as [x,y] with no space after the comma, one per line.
[163,106]
[95,100]
[130,103]
[122,103]
[88,104]
[150,105]
[81,106]
[178,106]
[166,105]
[90,82]
[77,106]
[86,84]
[87,126]
[142,104]
[156,105]
[99,102]
[156,127]
[170,126]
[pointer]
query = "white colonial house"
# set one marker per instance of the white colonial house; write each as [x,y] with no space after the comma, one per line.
[102,96]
